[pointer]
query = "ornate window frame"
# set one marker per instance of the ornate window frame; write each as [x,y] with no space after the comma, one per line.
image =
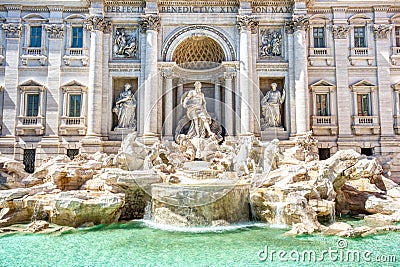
[73,125]
[320,54]
[395,55]
[324,125]
[34,53]
[365,124]
[72,55]
[361,53]
[31,125]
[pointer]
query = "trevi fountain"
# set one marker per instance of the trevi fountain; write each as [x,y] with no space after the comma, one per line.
[200,200]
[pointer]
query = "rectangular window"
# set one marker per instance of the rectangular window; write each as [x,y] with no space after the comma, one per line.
[397,35]
[359,37]
[29,160]
[74,106]
[77,37]
[32,105]
[322,105]
[319,37]
[363,106]
[36,36]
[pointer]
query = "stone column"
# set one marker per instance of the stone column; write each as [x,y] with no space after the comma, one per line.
[11,97]
[217,100]
[246,24]
[169,99]
[384,90]
[56,34]
[179,108]
[97,25]
[297,25]
[229,113]
[150,24]
[340,33]
[291,96]
[396,100]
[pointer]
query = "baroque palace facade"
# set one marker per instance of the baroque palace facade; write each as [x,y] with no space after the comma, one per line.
[274,69]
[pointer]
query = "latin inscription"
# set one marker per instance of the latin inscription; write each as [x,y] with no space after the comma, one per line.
[200,9]
[272,9]
[124,9]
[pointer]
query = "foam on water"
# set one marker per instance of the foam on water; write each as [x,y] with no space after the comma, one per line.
[205,229]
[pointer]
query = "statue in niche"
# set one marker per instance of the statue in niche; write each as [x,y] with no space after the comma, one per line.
[271,43]
[271,107]
[125,108]
[125,45]
[200,120]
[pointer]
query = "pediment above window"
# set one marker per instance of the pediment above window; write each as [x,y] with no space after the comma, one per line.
[322,85]
[32,85]
[34,18]
[74,86]
[363,85]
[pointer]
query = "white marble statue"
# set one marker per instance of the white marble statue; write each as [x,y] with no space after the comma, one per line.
[125,108]
[269,156]
[271,107]
[200,120]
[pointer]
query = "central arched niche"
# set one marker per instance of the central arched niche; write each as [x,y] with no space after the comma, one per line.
[198,52]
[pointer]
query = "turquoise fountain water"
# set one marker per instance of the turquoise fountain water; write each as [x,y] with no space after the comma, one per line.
[138,244]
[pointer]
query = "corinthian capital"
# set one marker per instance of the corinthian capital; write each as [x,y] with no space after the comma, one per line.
[297,23]
[246,23]
[149,22]
[55,31]
[12,30]
[340,31]
[97,23]
[381,31]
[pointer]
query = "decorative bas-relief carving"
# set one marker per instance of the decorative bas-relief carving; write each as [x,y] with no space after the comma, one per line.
[12,30]
[55,31]
[340,31]
[270,43]
[125,108]
[125,44]
[382,31]
[271,107]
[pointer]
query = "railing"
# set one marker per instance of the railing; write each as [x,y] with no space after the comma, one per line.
[365,120]
[30,120]
[78,121]
[319,51]
[75,51]
[396,51]
[34,51]
[324,120]
[360,51]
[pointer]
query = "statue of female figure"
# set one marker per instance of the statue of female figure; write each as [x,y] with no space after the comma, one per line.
[271,107]
[125,108]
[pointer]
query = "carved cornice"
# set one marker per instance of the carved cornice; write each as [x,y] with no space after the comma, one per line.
[12,30]
[55,31]
[340,31]
[382,31]
[149,22]
[297,23]
[97,23]
[247,23]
